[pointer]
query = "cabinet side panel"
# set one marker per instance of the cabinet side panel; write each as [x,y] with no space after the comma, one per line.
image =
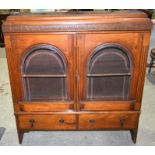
[12,71]
[142,69]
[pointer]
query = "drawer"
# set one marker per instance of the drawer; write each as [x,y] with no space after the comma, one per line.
[108,120]
[46,122]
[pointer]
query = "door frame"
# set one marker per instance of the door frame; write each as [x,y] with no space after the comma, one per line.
[86,44]
[65,43]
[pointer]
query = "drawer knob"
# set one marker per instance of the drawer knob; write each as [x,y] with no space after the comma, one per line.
[61,121]
[32,121]
[92,121]
[122,121]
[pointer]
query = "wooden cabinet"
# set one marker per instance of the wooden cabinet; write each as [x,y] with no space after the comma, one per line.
[77,71]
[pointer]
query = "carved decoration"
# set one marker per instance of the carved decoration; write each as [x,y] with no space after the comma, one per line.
[76,27]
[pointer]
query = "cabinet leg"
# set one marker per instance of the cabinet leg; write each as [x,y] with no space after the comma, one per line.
[20,137]
[134,135]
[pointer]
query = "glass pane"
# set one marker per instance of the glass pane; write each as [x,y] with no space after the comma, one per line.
[108,76]
[45,89]
[44,62]
[109,60]
[44,74]
[108,88]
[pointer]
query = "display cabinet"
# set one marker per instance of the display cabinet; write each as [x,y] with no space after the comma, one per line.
[82,71]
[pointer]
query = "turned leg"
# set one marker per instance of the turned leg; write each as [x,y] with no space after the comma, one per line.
[134,135]
[20,137]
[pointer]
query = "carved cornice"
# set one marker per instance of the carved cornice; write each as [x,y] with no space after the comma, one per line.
[77,27]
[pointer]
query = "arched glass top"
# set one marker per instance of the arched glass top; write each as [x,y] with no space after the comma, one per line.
[109,60]
[44,60]
[109,73]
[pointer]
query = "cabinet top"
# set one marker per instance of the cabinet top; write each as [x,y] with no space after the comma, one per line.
[80,21]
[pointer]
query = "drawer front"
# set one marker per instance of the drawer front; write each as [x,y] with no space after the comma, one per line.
[46,122]
[109,120]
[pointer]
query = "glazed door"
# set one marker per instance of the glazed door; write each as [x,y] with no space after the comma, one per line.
[45,70]
[108,67]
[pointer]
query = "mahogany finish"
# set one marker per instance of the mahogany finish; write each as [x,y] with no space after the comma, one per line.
[47,122]
[112,120]
[82,71]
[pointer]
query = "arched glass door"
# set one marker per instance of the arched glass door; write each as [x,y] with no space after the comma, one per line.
[44,73]
[108,74]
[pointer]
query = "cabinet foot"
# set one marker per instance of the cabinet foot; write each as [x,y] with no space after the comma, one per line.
[20,137]
[134,135]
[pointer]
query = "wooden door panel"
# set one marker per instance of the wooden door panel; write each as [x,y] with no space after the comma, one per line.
[22,44]
[106,105]
[46,106]
[88,43]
